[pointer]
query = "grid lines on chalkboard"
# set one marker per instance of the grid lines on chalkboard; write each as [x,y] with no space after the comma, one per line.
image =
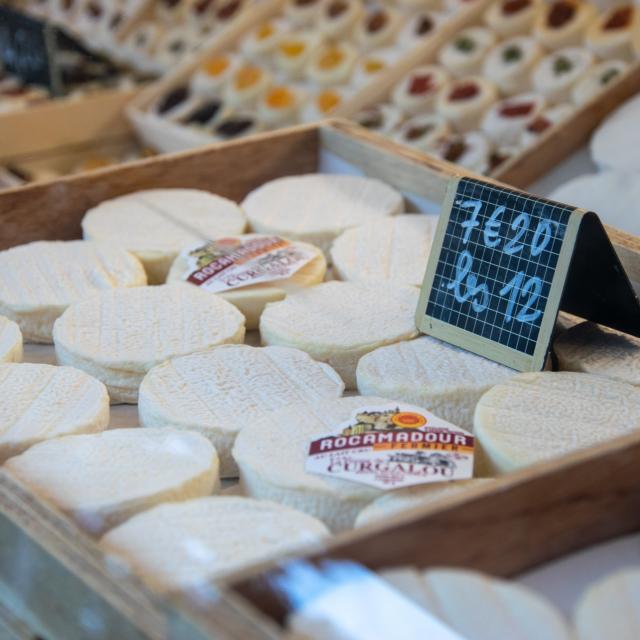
[515,279]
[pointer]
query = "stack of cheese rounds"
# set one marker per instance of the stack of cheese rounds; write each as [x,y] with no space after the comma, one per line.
[220,391]
[119,335]
[102,479]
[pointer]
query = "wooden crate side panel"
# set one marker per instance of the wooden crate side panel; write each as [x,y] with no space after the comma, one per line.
[54,210]
[520,522]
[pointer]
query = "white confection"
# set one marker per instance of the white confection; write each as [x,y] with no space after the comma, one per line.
[613,195]
[616,142]
[339,322]
[534,417]
[175,547]
[156,224]
[10,341]
[590,348]
[481,607]
[102,479]
[432,374]
[556,74]
[610,608]
[218,392]
[597,80]
[40,401]
[39,280]
[317,208]
[394,250]
[387,506]
[121,334]
[271,455]
[251,300]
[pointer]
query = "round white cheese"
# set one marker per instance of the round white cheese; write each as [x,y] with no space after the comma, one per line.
[271,455]
[10,341]
[175,547]
[481,607]
[121,334]
[610,608]
[394,502]
[252,299]
[317,208]
[339,322]
[538,416]
[218,392]
[590,348]
[102,479]
[392,249]
[429,373]
[39,280]
[40,401]
[613,195]
[156,224]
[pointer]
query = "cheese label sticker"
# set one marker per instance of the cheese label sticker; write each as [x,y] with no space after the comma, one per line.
[231,263]
[394,445]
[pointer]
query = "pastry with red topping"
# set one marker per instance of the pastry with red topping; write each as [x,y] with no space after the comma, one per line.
[464,102]
[506,120]
[512,17]
[611,35]
[417,92]
[562,23]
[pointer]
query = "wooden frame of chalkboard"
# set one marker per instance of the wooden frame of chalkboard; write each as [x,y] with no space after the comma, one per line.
[62,572]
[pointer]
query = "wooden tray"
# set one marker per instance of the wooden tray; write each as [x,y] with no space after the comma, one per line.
[54,579]
[166,136]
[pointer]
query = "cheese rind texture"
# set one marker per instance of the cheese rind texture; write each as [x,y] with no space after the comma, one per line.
[389,249]
[39,280]
[251,300]
[271,455]
[101,480]
[394,502]
[11,348]
[591,348]
[157,224]
[534,417]
[218,392]
[175,547]
[480,607]
[121,334]
[610,608]
[40,401]
[317,208]
[444,379]
[339,322]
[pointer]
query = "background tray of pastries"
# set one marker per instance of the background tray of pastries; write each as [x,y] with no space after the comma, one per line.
[98,586]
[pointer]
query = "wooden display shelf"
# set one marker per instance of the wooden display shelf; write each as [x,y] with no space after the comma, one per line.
[54,577]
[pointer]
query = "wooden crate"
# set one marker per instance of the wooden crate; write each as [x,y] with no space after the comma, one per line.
[166,136]
[58,134]
[55,579]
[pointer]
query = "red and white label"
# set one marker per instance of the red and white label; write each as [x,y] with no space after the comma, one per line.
[231,263]
[393,445]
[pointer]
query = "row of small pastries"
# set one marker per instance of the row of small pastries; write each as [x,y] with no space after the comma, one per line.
[297,66]
[487,99]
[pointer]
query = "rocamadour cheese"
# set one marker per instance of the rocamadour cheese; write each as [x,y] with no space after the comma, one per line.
[220,391]
[177,547]
[10,341]
[591,348]
[271,455]
[339,322]
[102,479]
[481,607]
[121,334]
[39,280]
[317,208]
[389,249]
[40,401]
[533,417]
[427,372]
[157,224]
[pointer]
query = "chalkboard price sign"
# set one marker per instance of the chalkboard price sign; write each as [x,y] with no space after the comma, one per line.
[498,272]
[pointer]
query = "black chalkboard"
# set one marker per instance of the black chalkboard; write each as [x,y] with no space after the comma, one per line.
[499,270]
[27,48]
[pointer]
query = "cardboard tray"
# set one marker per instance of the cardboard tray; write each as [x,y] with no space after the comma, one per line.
[54,578]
